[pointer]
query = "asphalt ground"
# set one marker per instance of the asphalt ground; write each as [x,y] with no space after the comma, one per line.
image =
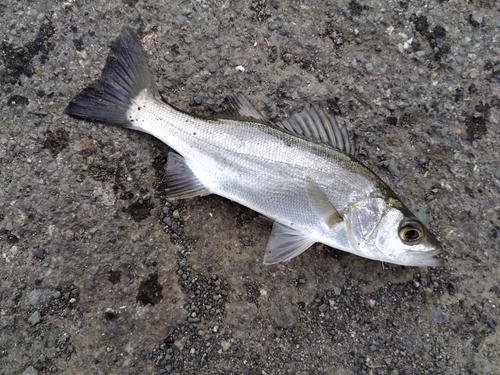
[99,274]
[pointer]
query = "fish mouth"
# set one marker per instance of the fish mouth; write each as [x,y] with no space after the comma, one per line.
[433,261]
[427,259]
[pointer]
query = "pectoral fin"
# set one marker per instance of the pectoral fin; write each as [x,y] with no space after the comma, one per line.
[179,181]
[321,204]
[286,243]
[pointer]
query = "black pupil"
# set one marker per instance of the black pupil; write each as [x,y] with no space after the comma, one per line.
[412,235]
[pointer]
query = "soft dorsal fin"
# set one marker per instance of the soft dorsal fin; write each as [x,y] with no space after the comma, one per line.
[237,107]
[317,124]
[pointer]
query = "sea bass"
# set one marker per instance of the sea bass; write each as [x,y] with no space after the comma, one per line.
[300,173]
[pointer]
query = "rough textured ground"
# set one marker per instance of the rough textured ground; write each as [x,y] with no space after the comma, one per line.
[99,275]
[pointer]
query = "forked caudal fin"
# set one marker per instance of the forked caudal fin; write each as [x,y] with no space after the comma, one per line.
[124,76]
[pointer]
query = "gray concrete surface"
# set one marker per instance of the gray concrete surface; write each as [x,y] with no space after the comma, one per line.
[99,275]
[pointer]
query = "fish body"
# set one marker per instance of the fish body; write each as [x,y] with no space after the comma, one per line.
[300,173]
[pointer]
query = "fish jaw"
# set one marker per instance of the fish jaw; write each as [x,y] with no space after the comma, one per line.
[427,259]
[426,256]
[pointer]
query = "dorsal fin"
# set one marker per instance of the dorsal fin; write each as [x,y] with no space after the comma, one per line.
[237,107]
[317,124]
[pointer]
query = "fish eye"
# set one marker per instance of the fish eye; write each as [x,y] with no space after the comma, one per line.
[411,232]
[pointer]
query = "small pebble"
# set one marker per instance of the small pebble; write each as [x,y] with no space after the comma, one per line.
[225,345]
[30,371]
[179,20]
[473,212]
[476,18]
[212,68]
[35,318]
[440,317]
[39,254]
[198,99]
[110,313]
[497,173]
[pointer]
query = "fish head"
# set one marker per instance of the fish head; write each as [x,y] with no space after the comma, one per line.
[385,230]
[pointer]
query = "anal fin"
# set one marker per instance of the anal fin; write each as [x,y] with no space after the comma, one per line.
[286,243]
[179,181]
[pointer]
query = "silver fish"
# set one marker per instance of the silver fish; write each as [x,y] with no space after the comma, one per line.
[301,173]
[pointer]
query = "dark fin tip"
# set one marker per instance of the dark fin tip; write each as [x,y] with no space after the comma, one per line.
[124,76]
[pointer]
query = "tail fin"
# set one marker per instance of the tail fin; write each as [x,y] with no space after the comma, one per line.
[125,75]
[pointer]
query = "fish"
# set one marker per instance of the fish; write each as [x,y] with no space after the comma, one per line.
[301,174]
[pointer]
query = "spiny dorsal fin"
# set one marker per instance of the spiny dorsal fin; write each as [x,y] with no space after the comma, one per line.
[317,124]
[237,107]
